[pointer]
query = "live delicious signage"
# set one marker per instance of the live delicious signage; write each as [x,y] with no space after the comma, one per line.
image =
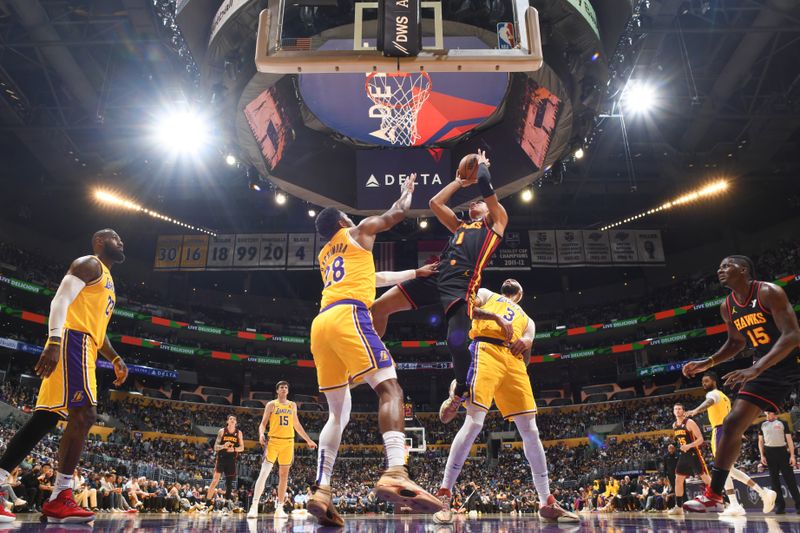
[380,173]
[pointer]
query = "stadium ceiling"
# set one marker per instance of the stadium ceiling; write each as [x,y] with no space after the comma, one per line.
[81,79]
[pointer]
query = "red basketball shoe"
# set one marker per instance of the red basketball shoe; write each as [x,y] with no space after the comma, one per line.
[705,503]
[553,512]
[64,510]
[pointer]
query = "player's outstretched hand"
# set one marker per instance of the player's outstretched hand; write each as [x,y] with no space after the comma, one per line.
[312,444]
[408,185]
[427,270]
[740,377]
[47,360]
[692,368]
[482,159]
[691,413]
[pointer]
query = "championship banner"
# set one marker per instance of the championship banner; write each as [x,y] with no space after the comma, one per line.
[596,247]
[623,246]
[543,248]
[514,253]
[570,247]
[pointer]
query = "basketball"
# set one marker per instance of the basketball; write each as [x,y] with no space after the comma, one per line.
[468,167]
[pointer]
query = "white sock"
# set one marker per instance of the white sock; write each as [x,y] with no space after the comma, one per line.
[339,404]
[462,443]
[63,482]
[4,474]
[731,491]
[261,482]
[738,475]
[394,444]
[534,453]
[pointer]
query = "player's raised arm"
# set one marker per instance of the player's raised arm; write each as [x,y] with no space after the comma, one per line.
[218,446]
[364,233]
[496,209]
[438,204]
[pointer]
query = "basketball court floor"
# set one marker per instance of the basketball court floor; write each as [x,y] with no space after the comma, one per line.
[611,523]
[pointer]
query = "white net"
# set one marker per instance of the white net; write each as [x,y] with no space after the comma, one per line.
[398,99]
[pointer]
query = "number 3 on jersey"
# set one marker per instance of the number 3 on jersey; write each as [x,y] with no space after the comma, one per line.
[334,273]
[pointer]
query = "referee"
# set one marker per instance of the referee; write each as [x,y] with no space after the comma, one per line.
[777,454]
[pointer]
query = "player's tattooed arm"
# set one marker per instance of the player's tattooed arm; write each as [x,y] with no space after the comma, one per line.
[703,407]
[218,446]
[240,447]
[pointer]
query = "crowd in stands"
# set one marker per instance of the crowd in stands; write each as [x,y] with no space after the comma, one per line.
[783,258]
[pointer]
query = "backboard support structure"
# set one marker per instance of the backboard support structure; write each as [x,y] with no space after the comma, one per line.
[415,440]
[520,52]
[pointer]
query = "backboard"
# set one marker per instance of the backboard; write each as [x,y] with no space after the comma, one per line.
[334,36]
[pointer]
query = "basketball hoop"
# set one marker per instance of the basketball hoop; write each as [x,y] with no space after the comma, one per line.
[398,98]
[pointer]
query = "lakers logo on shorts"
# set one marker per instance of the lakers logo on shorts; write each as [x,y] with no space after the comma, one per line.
[384,356]
[77,397]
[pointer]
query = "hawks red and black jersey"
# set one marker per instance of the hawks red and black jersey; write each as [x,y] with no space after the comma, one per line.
[466,255]
[682,434]
[232,438]
[756,324]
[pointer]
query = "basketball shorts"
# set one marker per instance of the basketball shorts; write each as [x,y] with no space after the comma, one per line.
[73,382]
[226,464]
[774,385]
[691,463]
[280,450]
[445,291]
[715,434]
[495,374]
[345,346]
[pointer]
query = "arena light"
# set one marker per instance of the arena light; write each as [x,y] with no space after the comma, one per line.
[579,153]
[712,189]
[280,198]
[113,199]
[230,159]
[182,132]
[312,213]
[423,223]
[526,195]
[638,97]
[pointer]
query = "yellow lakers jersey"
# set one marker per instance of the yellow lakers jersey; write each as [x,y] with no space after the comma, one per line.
[500,305]
[348,271]
[720,409]
[91,311]
[281,421]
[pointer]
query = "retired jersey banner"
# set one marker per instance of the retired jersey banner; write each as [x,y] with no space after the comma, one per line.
[623,246]
[514,252]
[649,246]
[267,251]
